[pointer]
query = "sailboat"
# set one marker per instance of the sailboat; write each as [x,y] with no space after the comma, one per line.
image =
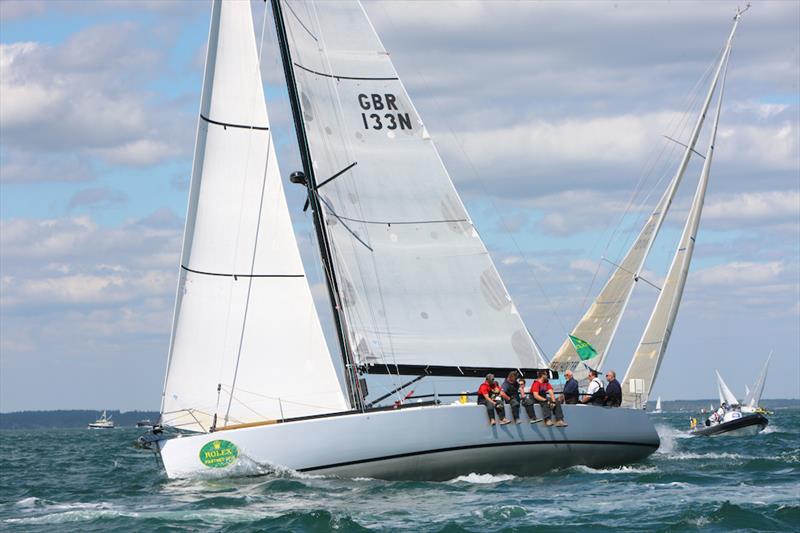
[250,383]
[104,422]
[752,399]
[657,410]
[590,340]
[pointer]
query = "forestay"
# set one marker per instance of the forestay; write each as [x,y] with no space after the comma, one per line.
[416,283]
[246,338]
[649,354]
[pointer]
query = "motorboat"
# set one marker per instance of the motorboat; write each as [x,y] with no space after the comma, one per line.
[732,421]
[104,422]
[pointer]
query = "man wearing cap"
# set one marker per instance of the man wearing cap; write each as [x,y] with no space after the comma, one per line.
[489,395]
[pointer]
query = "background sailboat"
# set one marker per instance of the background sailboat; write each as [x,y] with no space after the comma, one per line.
[752,400]
[646,362]
[599,324]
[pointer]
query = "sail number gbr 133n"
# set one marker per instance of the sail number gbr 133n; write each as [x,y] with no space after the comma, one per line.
[385,113]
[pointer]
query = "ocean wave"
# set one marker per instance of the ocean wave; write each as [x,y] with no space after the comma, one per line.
[78,515]
[690,456]
[482,479]
[668,436]
[619,470]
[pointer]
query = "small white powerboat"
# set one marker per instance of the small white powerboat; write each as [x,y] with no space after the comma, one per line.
[104,422]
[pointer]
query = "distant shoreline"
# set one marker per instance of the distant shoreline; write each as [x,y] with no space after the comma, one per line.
[70,418]
[79,418]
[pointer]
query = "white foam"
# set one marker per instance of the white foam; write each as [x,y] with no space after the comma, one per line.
[668,435]
[771,428]
[619,470]
[78,515]
[28,502]
[482,479]
[684,456]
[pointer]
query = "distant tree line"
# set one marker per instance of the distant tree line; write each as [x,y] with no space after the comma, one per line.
[73,418]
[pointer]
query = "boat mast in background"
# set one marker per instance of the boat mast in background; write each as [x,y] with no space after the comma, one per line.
[600,323]
[647,359]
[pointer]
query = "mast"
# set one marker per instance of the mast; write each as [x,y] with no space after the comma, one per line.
[309,180]
[647,359]
[617,292]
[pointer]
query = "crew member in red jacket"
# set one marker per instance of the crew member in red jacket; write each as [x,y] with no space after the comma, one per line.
[542,393]
[489,395]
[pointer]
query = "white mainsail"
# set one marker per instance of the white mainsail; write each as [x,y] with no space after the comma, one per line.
[599,324]
[725,393]
[416,283]
[246,339]
[649,354]
[753,397]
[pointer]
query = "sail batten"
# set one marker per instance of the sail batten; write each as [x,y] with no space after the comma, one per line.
[245,325]
[415,284]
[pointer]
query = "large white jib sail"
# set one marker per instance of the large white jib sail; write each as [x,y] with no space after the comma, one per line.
[246,337]
[647,358]
[415,285]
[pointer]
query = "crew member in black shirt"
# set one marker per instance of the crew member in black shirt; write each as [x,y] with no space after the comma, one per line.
[613,390]
[570,390]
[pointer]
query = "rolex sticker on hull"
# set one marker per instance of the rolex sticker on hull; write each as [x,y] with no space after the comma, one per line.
[219,454]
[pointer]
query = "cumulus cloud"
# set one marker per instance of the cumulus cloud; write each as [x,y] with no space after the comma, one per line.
[97,197]
[87,97]
[26,167]
[740,273]
[755,206]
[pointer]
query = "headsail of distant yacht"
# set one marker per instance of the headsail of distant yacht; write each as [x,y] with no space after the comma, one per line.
[753,397]
[725,393]
[647,358]
[599,324]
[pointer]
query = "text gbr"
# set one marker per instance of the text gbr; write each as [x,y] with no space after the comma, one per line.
[388,118]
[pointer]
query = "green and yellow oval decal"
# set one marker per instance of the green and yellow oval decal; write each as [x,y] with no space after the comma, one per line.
[219,453]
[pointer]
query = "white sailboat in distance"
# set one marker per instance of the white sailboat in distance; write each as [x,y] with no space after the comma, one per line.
[752,400]
[657,410]
[250,383]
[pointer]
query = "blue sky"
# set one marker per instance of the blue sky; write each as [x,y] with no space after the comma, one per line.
[547,116]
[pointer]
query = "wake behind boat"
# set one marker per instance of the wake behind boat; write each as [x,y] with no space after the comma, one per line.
[250,381]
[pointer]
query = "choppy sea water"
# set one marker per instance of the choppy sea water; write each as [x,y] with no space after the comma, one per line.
[81,480]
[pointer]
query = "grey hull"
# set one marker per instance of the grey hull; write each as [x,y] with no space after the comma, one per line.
[422,443]
[527,459]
